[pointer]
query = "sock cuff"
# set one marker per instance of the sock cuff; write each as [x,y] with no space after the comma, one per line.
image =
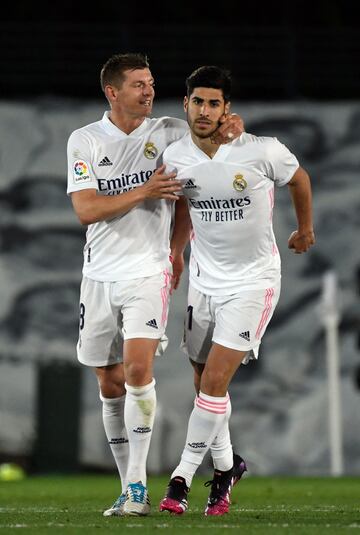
[206,397]
[217,405]
[140,390]
[112,401]
[212,397]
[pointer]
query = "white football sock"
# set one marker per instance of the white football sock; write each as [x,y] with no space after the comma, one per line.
[207,417]
[221,447]
[140,407]
[114,425]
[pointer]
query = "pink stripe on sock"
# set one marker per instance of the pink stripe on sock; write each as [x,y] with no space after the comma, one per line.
[211,404]
[217,407]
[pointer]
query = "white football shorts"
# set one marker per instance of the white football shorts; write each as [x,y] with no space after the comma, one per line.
[111,312]
[236,321]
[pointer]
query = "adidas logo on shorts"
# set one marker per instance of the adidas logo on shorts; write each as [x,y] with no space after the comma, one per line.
[245,335]
[152,323]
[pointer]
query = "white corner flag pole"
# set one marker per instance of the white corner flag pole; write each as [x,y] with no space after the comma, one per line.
[330,318]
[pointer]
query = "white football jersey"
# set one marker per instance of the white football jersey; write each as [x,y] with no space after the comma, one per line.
[101,156]
[231,200]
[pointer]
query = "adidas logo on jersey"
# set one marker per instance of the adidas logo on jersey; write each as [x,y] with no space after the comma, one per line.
[245,335]
[190,184]
[105,161]
[152,323]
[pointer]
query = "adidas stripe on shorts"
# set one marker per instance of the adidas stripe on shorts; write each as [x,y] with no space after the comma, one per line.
[236,321]
[111,312]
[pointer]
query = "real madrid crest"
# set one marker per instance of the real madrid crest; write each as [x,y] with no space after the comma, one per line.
[150,151]
[239,183]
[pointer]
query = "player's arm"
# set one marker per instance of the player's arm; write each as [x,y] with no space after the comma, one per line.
[91,207]
[180,238]
[300,190]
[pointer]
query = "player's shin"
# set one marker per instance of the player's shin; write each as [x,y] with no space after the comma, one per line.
[221,447]
[114,425]
[206,419]
[140,407]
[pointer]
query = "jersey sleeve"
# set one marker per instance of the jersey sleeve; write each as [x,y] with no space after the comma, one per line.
[80,170]
[176,128]
[282,164]
[170,165]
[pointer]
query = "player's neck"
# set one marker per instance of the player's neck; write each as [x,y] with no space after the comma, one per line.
[206,145]
[126,124]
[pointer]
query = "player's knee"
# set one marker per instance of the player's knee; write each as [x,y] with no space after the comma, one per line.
[214,382]
[111,381]
[110,389]
[138,373]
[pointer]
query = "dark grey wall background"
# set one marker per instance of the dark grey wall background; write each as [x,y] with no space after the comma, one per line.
[280,404]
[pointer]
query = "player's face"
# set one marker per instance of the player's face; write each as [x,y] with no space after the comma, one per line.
[136,94]
[204,108]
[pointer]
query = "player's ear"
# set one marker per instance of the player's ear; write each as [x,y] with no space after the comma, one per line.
[186,102]
[110,93]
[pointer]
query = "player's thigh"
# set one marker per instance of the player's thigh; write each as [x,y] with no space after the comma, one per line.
[145,310]
[144,316]
[242,319]
[198,327]
[97,324]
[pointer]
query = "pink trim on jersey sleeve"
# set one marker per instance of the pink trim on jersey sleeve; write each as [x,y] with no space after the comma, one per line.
[269,294]
[271,200]
[274,249]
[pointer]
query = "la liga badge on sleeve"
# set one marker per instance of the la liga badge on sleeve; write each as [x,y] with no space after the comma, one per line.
[81,171]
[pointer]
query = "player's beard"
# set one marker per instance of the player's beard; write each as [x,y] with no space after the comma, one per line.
[200,133]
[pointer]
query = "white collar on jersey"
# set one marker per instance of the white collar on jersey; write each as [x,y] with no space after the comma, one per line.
[113,130]
[220,154]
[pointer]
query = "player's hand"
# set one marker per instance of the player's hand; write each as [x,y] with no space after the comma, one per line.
[300,242]
[178,267]
[232,126]
[162,186]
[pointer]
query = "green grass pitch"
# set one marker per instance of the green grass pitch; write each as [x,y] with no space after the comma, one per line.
[73,505]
